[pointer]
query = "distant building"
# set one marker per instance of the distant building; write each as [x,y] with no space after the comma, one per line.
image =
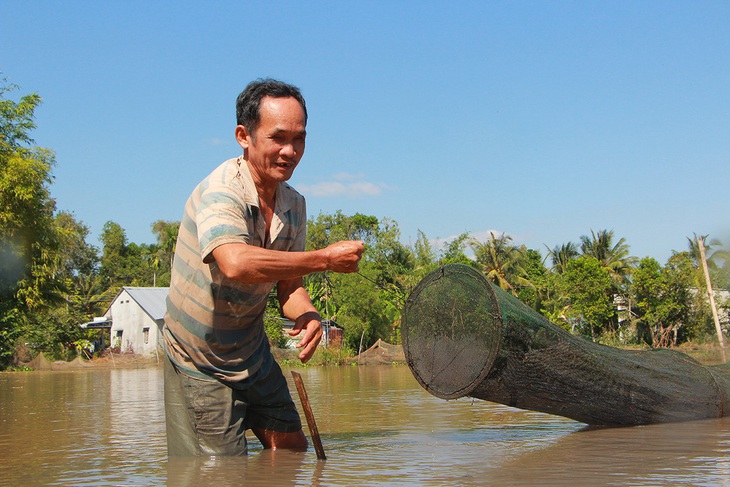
[135,319]
[331,334]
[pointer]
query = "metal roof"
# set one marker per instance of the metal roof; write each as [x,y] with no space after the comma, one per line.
[151,299]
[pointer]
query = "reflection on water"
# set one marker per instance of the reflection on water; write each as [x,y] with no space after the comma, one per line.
[378,427]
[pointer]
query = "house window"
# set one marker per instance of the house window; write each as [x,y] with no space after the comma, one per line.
[146,334]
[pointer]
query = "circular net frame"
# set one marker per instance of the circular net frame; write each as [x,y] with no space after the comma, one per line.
[451,329]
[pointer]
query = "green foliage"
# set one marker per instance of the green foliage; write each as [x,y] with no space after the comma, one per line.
[453,252]
[28,241]
[615,258]
[534,279]
[582,300]
[54,331]
[722,276]
[424,256]
[332,356]
[77,257]
[274,325]
[363,310]
[661,308]
[11,329]
[160,257]
[560,255]
[16,120]
[500,261]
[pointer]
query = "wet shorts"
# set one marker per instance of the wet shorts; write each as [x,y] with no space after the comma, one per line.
[206,417]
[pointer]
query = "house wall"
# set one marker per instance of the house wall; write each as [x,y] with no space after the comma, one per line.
[129,322]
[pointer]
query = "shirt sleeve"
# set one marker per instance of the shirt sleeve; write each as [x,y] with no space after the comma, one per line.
[223,217]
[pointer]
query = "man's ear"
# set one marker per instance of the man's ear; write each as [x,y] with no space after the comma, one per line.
[242,136]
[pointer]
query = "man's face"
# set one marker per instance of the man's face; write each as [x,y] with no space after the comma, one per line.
[277,144]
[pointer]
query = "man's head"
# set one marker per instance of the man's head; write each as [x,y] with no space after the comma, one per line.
[248,104]
[271,130]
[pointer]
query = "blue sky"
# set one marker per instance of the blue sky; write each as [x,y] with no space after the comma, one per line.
[541,119]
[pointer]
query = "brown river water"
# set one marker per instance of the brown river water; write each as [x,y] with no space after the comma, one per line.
[378,428]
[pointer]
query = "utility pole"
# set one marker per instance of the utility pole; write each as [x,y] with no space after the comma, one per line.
[701,245]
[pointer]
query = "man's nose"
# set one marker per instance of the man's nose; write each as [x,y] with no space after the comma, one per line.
[287,150]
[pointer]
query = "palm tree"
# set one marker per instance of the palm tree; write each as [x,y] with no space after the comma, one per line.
[560,255]
[166,233]
[712,255]
[615,258]
[500,261]
[90,294]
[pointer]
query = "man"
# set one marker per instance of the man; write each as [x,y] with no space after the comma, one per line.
[242,233]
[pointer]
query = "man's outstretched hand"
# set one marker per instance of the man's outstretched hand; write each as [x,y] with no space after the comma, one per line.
[344,256]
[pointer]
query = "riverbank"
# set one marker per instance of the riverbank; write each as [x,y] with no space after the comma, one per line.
[108,361]
[381,353]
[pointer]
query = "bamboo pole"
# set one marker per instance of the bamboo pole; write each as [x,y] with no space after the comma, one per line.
[718,328]
[309,415]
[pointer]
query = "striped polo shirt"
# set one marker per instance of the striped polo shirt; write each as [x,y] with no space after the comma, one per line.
[214,326]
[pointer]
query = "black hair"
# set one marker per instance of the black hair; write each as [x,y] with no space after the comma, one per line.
[248,102]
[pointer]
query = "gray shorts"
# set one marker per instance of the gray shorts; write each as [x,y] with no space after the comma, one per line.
[206,417]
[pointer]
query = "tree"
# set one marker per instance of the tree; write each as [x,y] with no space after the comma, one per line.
[500,261]
[124,263]
[328,229]
[453,251]
[663,299]
[712,253]
[583,297]
[16,120]
[161,259]
[560,255]
[28,242]
[535,274]
[84,295]
[424,256]
[364,313]
[723,274]
[716,257]
[393,263]
[615,258]
[77,257]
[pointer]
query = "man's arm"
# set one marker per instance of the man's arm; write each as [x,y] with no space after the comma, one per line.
[247,263]
[252,264]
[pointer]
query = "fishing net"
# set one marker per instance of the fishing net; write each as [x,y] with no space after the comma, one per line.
[463,336]
[381,353]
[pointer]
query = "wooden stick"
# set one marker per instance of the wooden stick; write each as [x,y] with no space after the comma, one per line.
[309,415]
[711,295]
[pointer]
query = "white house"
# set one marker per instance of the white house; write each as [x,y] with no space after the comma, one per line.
[136,316]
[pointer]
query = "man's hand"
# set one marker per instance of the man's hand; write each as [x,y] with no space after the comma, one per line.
[344,256]
[311,323]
